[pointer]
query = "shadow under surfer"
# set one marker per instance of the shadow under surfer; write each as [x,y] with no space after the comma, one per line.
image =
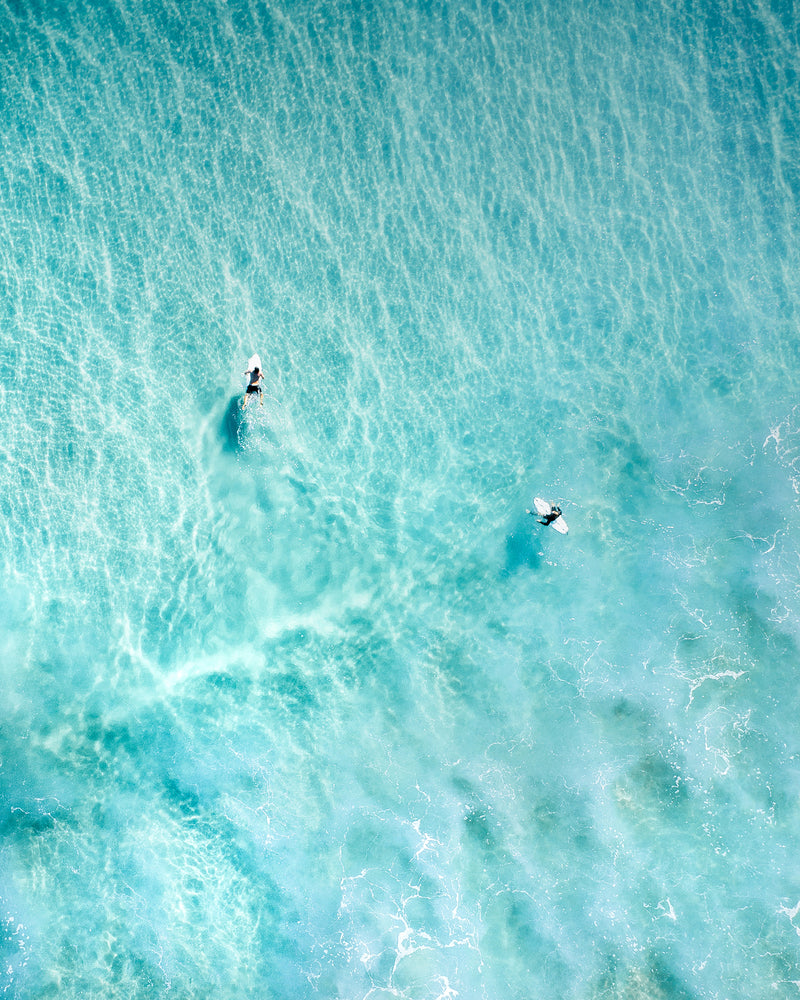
[231,424]
[555,512]
[253,386]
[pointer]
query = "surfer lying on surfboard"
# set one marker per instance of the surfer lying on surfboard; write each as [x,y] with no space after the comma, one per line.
[548,514]
[549,518]
[253,385]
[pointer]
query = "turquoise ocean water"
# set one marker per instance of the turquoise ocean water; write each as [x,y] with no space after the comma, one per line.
[300,703]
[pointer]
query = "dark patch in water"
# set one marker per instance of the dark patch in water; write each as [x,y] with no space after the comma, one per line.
[661,780]
[653,981]
[521,547]
[477,826]
[184,800]
[295,692]
[667,982]
[118,738]
[231,425]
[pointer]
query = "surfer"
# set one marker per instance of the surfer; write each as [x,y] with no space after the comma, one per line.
[253,386]
[555,512]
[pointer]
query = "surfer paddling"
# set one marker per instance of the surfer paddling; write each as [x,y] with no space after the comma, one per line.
[254,386]
[555,512]
[547,513]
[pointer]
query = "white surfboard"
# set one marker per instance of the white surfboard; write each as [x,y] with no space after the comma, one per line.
[254,362]
[544,508]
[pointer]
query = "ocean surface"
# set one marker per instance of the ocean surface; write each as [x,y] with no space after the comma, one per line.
[297,701]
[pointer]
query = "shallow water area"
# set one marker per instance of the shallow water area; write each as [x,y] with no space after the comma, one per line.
[299,701]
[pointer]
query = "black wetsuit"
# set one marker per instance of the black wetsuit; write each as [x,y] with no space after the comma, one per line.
[549,518]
